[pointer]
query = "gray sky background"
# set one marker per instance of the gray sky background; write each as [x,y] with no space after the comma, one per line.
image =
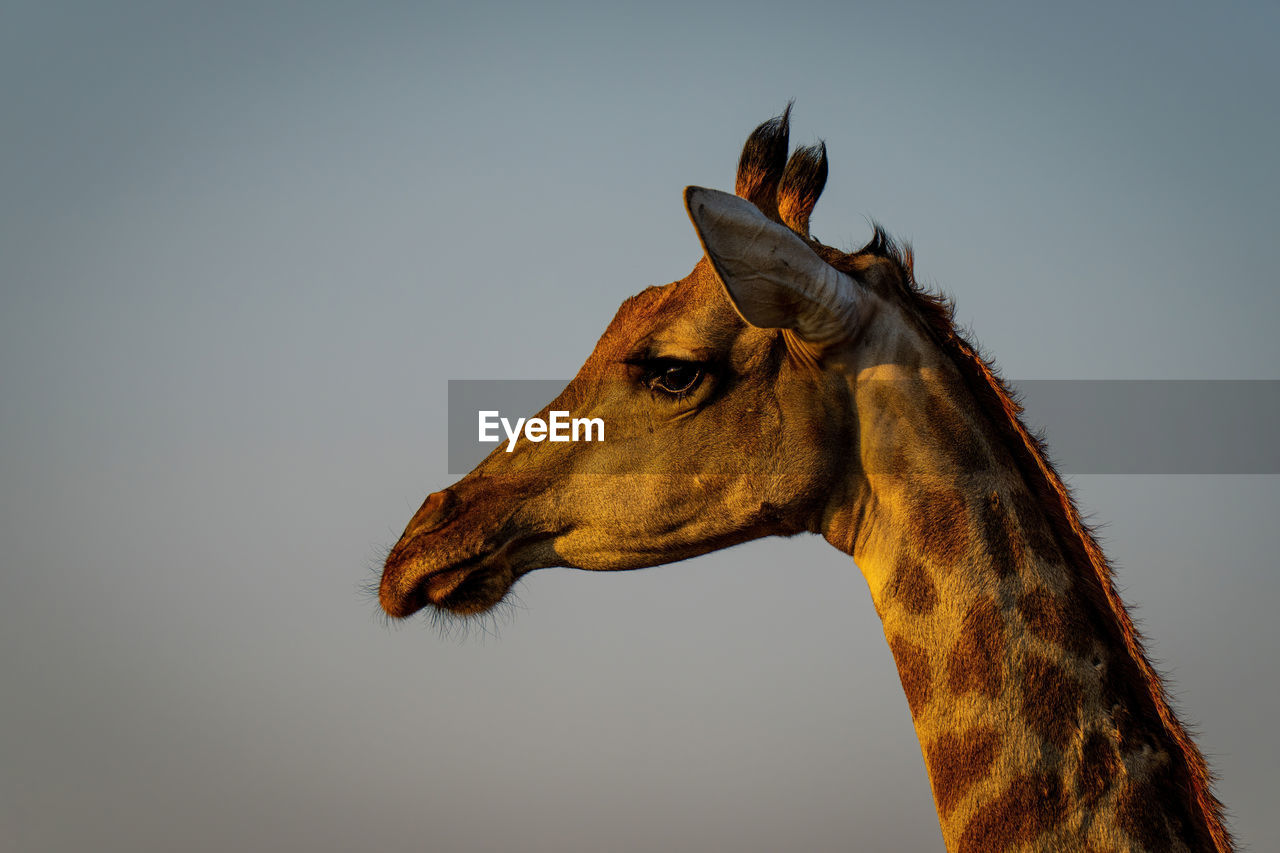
[244,246]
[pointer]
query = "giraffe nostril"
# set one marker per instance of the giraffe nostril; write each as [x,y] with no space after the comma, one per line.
[435,511]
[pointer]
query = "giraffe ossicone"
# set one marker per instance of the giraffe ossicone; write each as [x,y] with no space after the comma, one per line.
[784,386]
[772,277]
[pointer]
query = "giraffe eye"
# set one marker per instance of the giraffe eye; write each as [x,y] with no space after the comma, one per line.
[675,377]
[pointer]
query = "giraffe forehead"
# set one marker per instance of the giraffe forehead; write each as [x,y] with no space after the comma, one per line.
[689,318]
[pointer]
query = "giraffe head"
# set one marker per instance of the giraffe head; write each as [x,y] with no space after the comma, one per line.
[746,400]
[725,400]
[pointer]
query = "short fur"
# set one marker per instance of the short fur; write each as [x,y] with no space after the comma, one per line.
[800,184]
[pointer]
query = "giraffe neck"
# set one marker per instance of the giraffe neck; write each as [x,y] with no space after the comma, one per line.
[1037,722]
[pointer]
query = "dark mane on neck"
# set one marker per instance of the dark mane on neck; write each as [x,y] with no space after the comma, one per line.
[935,315]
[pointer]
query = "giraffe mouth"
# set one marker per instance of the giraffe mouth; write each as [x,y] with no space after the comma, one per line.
[470,587]
[467,590]
[466,587]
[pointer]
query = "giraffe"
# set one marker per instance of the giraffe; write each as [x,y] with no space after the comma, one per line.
[784,386]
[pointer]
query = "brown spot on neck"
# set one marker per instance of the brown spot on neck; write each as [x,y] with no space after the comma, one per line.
[1032,805]
[1034,529]
[975,660]
[1058,620]
[998,536]
[957,761]
[914,671]
[941,522]
[912,588]
[1140,821]
[1099,765]
[1052,700]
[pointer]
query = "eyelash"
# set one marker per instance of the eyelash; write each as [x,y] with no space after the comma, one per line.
[656,370]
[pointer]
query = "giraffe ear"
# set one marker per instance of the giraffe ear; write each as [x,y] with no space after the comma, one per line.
[772,277]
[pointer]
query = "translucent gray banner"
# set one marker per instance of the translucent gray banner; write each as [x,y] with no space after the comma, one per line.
[1090,426]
